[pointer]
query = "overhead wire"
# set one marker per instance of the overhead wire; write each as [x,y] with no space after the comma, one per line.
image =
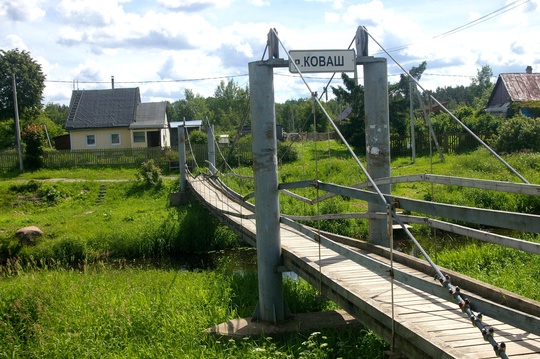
[445,281]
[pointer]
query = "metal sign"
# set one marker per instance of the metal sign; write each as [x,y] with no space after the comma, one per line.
[309,61]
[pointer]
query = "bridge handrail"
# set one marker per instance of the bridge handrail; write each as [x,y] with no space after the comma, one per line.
[514,317]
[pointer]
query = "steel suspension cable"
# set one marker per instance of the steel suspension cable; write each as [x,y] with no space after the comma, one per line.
[464,304]
[334,126]
[451,114]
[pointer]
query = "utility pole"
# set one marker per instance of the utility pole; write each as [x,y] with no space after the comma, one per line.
[17,127]
[411,103]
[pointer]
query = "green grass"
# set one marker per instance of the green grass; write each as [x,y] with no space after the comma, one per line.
[129,221]
[128,313]
[338,167]
[82,290]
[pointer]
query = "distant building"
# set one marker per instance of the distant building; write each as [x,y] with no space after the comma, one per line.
[116,118]
[190,125]
[513,93]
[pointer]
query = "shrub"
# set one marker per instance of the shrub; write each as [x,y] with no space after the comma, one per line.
[518,134]
[286,152]
[149,174]
[33,139]
[197,137]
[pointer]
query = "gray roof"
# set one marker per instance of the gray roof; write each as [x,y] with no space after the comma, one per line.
[150,115]
[90,109]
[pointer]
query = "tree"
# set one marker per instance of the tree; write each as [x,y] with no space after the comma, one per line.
[192,107]
[30,82]
[399,100]
[57,113]
[229,105]
[353,128]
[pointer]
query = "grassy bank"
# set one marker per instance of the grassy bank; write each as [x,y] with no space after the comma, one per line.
[81,290]
[152,313]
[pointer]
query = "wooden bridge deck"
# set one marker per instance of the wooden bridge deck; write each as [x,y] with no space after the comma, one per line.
[425,326]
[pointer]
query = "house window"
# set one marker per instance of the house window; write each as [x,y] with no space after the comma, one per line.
[90,140]
[139,136]
[115,139]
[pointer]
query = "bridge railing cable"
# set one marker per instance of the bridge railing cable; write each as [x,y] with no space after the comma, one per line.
[454,117]
[444,280]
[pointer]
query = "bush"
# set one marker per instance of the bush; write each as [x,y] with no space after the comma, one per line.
[286,152]
[197,137]
[33,138]
[519,133]
[149,174]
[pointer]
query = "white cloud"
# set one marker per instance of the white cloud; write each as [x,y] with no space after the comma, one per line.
[16,10]
[193,5]
[90,13]
[13,41]
[332,17]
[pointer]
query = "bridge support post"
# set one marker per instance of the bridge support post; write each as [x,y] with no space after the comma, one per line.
[271,306]
[211,149]
[377,140]
[182,157]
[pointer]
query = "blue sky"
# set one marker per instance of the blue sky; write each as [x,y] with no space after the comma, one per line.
[167,46]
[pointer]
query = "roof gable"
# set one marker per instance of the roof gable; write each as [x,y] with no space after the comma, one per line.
[150,115]
[515,88]
[90,109]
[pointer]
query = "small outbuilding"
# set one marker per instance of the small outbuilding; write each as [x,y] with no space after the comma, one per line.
[514,93]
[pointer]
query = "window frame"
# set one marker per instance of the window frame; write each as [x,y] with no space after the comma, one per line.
[119,139]
[87,136]
[143,136]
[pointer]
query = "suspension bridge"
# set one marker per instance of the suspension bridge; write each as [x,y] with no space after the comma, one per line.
[422,310]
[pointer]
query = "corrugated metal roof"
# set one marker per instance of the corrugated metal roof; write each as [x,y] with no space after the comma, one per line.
[90,109]
[189,124]
[150,115]
[522,87]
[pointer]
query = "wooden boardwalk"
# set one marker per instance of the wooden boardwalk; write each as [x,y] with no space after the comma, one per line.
[424,326]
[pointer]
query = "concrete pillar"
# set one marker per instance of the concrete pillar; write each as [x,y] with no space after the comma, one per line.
[271,307]
[211,149]
[377,140]
[182,157]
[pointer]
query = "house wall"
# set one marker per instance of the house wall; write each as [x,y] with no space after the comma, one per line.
[500,96]
[102,138]
[164,137]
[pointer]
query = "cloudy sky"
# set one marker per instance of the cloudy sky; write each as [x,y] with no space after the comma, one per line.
[166,46]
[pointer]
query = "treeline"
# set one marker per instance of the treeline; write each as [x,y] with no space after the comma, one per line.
[228,109]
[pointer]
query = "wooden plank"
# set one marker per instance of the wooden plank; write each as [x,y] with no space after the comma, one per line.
[425,323]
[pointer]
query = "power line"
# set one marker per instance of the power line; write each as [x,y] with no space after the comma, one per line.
[147,81]
[472,23]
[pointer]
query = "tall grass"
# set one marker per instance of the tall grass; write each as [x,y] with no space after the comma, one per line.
[149,313]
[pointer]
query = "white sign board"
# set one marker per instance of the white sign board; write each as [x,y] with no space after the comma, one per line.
[309,61]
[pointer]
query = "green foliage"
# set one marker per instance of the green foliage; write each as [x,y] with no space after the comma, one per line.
[50,194]
[520,133]
[286,152]
[33,138]
[353,128]
[30,83]
[7,133]
[197,137]
[150,175]
[99,311]
[56,113]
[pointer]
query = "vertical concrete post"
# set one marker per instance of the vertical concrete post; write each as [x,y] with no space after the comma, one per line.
[377,140]
[271,307]
[182,157]
[211,149]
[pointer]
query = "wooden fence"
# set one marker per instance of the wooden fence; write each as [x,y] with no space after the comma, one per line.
[133,157]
